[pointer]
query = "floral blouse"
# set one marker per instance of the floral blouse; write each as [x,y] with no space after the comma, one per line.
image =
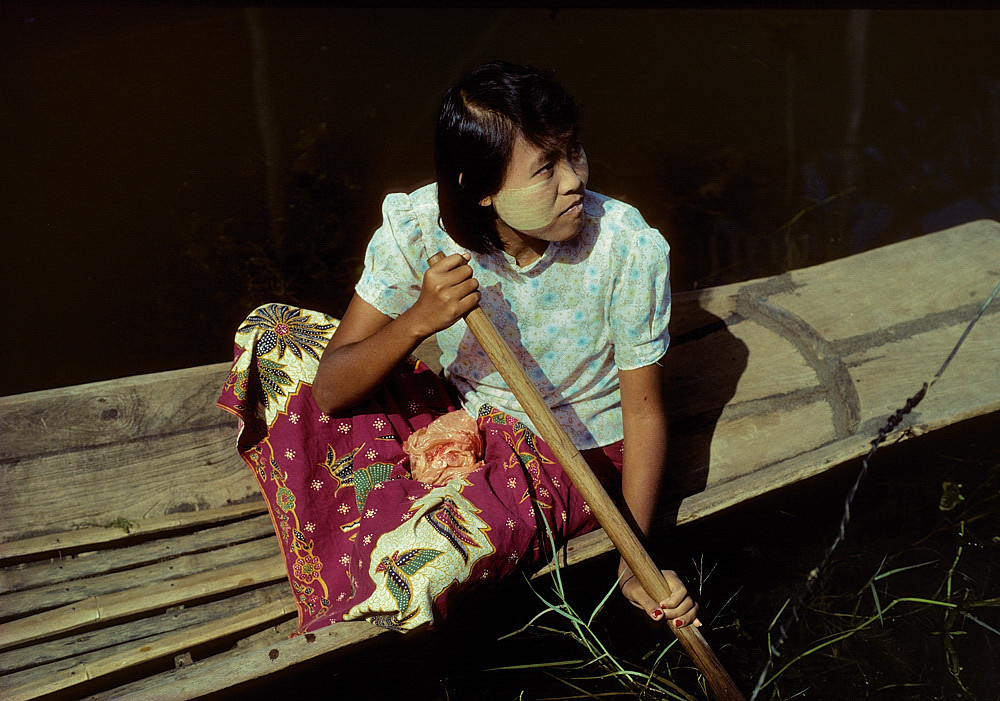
[585,309]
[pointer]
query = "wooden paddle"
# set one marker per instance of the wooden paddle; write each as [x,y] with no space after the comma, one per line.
[603,508]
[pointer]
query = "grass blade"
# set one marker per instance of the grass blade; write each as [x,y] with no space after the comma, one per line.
[536,665]
[600,605]
[902,569]
[985,625]
[878,604]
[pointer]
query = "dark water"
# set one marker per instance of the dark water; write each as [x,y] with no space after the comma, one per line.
[135,200]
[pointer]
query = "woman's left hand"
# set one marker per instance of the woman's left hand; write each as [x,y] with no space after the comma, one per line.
[680,609]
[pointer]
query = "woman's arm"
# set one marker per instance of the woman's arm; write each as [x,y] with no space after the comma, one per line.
[368,344]
[646,434]
[645,428]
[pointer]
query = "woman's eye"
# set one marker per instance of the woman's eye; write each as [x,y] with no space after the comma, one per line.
[576,151]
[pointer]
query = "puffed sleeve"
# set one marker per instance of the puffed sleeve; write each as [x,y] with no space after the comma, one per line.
[640,303]
[395,261]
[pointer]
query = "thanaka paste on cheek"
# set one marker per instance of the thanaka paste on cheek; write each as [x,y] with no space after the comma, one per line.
[527,208]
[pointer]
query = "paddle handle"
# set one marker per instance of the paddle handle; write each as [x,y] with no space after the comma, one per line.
[593,492]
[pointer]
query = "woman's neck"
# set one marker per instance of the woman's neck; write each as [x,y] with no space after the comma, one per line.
[522,248]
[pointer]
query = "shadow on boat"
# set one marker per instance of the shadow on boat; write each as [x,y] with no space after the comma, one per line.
[701,372]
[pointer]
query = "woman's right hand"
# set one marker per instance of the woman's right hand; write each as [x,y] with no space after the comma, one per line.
[447,293]
[368,343]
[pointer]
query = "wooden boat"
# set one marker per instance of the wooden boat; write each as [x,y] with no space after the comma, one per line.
[134,545]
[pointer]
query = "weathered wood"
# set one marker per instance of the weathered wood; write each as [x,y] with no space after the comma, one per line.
[68,541]
[151,478]
[580,549]
[265,656]
[718,497]
[70,419]
[175,618]
[52,595]
[59,675]
[864,361]
[89,564]
[254,568]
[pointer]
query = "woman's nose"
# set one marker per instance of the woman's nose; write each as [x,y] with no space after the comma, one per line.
[574,174]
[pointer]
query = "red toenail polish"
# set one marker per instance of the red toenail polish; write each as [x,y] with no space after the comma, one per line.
[678,623]
[656,614]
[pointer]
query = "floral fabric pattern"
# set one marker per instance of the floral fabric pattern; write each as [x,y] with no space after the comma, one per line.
[360,538]
[588,307]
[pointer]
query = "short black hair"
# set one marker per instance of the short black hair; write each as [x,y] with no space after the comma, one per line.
[480,119]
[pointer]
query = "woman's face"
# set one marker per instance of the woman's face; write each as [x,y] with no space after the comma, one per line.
[543,192]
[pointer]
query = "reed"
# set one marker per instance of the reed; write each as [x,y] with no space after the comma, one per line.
[907,623]
[600,665]
[900,619]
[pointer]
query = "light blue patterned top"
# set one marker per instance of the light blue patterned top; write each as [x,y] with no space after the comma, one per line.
[588,307]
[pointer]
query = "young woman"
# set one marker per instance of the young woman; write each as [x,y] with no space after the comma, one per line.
[576,282]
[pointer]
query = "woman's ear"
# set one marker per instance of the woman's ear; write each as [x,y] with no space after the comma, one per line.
[485,202]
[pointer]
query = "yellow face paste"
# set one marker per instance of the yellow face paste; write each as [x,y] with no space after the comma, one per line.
[527,208]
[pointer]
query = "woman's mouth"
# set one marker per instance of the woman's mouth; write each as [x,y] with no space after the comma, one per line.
[574,209]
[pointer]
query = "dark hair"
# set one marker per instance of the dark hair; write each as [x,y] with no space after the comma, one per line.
[479,122]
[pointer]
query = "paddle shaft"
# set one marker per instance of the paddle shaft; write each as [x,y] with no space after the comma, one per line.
[593,492]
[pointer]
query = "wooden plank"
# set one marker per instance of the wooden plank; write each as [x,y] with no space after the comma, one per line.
[58,594]
[63,674]
[862,375]
[745,448]
[706,373]
[195,470]
[90,564]
[68,541]
[116,595]
[152,478]
[897,284]
[971,382]
[272,650]
[57,421]
[264,638]
[791,471]
[176,618]
[267,654]
[227,669]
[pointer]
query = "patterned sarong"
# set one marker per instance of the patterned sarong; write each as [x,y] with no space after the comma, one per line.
[361,540]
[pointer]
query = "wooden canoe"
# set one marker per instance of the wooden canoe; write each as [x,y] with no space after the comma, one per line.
[138,560]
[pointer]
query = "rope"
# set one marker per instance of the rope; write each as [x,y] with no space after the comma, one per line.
[891,423]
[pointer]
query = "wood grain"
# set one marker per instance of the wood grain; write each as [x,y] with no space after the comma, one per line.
[52,677]
[83,417]
[152,478]
[263,655]
[203,579]
[89,536]
[173,619]
[90,564]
